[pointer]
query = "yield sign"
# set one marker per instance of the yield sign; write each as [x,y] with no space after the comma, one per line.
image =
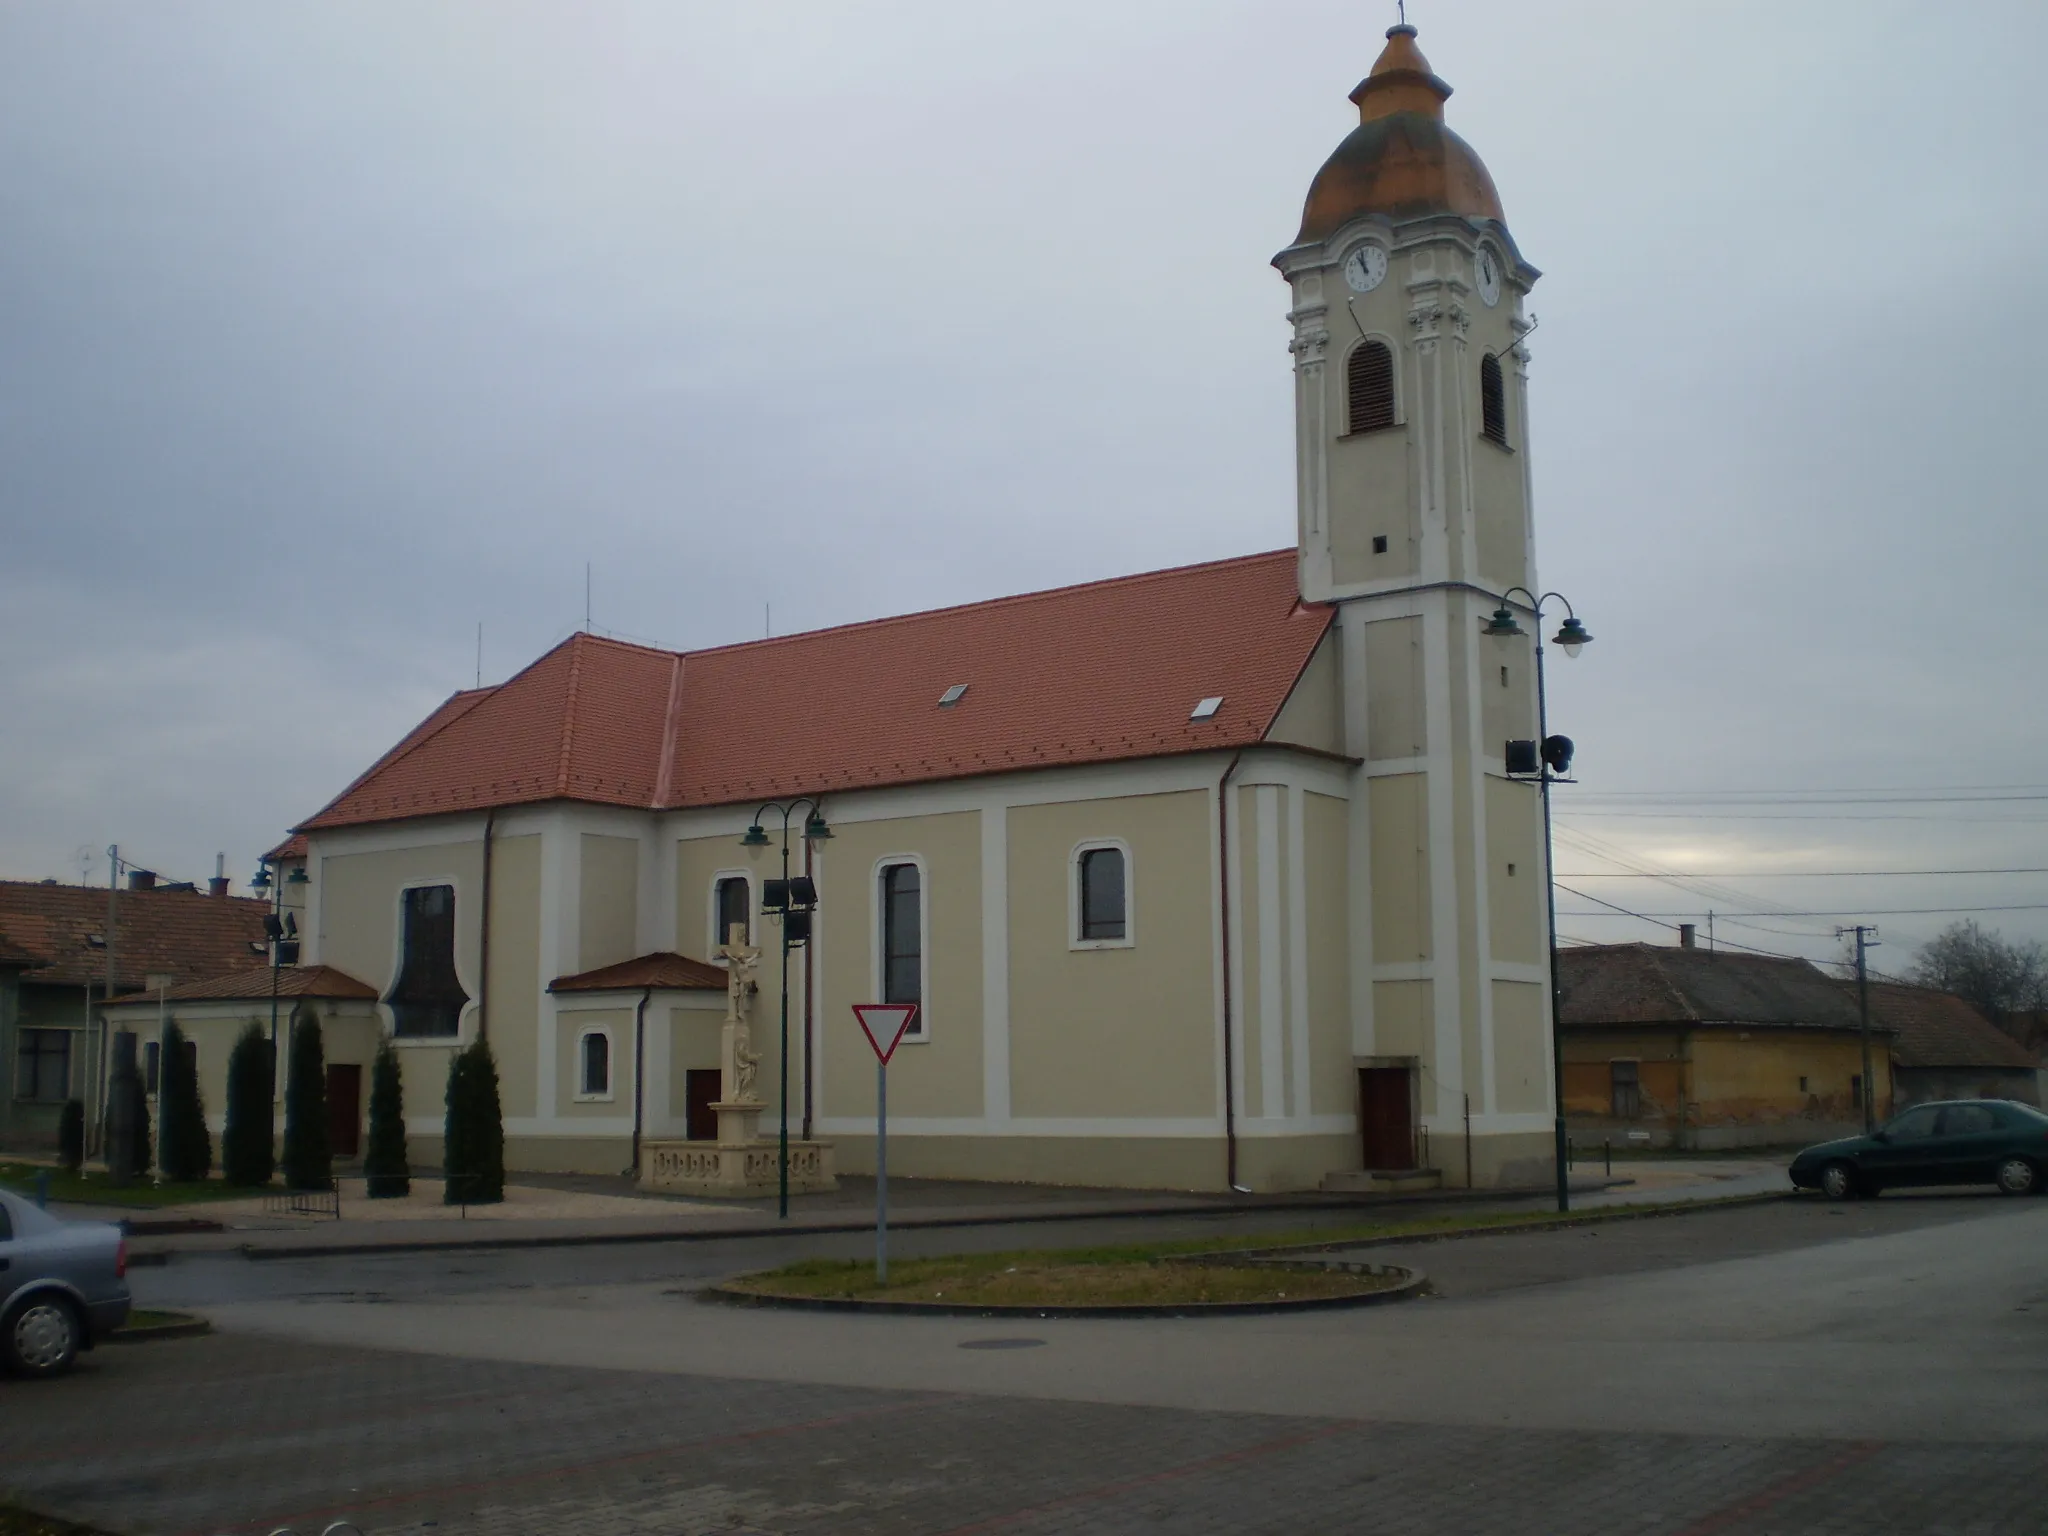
[885,1025]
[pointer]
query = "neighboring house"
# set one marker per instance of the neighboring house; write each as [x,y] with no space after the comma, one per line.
[51,1046]
[1698,1048]
[1199,877]
[1943,1048]
[214,1011]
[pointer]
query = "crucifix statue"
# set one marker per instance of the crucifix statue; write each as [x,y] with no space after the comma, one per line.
[741,1062]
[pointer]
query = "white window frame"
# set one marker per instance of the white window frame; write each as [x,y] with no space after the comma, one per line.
[611,1065]
[465,1021]
[1074,857]
[717,939]
[921,1032]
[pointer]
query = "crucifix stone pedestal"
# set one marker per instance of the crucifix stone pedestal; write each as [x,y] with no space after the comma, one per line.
[741,1164]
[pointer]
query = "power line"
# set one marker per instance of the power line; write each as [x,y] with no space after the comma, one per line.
[1779,874]
[2038,906]
[1989,821]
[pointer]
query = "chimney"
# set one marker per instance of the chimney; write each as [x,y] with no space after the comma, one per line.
[218,885]
[141,879]
[1688,936]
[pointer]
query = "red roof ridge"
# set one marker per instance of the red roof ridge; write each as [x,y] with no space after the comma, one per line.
[671,728]
[1009,599]
[569,711]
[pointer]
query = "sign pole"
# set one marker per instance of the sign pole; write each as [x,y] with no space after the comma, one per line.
[881,1174]
[885,1025]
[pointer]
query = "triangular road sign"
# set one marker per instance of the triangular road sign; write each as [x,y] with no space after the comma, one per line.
[885,1025]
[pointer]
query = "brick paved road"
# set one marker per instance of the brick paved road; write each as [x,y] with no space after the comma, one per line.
[238,1434]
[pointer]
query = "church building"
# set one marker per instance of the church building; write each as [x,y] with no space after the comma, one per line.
[1200,878]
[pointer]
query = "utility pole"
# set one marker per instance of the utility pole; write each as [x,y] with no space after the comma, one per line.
[1866,940]
[96,1041]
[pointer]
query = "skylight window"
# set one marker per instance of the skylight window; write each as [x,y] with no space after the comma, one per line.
[1207,708]
[952,695]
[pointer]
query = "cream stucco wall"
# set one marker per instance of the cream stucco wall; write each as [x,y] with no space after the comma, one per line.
[514,1000]
[1113,1032]
[608,901]
[1313,715]
[939,1074]
[1401,908]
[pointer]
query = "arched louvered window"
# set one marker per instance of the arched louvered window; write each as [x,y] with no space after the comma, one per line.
[1493,400]
[1369,380]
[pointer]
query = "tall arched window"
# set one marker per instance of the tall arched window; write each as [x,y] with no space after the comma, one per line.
[733,901]
[1369,382]
[903,936]
[594,1065]
[1102,879]
[1493,400]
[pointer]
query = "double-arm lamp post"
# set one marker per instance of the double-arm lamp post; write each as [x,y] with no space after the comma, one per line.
[1545,760]
[792,900]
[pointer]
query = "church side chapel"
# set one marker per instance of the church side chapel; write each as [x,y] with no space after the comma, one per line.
[1201,878]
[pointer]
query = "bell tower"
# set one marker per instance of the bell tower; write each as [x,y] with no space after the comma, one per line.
[1412,460]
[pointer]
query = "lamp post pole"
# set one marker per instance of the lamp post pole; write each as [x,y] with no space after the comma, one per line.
[1571,635]
[790,905]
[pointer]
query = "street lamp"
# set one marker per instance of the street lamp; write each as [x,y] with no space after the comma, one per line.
[279,934]
[1545,760]
[792,900]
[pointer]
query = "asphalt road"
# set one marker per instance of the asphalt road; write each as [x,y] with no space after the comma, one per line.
[1790,1367]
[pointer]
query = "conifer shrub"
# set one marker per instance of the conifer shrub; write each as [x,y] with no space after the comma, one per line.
[248,1147]
[473,1137]
[71,1135]
[385,1169]
[185,1150]
[308,1162]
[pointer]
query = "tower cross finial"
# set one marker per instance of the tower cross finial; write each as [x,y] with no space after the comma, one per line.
[1402,7]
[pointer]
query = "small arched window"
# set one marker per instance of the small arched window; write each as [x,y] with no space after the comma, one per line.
[1493,400]
[1369,383]
[734,907]
[595,1077]
[1102,907]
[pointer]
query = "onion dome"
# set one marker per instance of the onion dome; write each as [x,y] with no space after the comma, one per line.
[1400,161]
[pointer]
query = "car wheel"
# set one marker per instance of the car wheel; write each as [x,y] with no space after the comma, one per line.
[2016,1176]
[41,1337]
[1838,1182]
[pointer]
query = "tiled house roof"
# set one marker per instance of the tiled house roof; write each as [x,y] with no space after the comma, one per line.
[1097,673]
[1936,1029]
[664,971]
[321,981]
[1658,984]
[158,932]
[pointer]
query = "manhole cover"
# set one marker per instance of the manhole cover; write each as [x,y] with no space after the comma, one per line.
[1000,1343]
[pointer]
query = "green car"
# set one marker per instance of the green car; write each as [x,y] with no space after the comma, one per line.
[1960,1141]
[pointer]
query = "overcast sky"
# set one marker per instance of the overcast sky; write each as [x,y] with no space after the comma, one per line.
[330,331]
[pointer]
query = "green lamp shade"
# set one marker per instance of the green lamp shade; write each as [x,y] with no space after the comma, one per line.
[297,876]
[1571,635]
[260,881]
[815,830]
[755,838]
[1502,625]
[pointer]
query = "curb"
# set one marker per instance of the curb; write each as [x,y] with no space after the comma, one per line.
[733,1296]
[190,1328]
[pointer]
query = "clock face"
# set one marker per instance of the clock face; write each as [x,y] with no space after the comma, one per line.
[1487,268]
[1365,268]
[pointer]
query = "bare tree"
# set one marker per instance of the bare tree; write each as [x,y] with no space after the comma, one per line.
[1984,969]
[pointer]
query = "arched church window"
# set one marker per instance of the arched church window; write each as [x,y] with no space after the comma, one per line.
[1369,381]
[428,999]
[1493,400]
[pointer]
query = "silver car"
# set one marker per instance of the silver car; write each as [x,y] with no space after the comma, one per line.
[63,1287]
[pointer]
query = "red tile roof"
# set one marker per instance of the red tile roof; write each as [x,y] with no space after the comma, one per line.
[1937,1029]
[158,933]
[663,970]
[1096,673]
[322,981]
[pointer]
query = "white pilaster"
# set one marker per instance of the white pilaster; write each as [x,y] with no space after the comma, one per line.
[995,965]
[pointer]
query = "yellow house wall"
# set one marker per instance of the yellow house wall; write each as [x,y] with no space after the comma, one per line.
[1113,1032]
[1521,1048]
[1514,888]
[515,992]
[1400,867]
[608,903]
[940,1075]
[359,908]
[1395,720]
[1325,828]
[1313,715]
[1403,1012]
